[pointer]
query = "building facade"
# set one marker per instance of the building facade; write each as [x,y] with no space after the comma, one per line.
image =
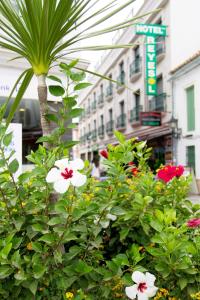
[186,94]
[108,106]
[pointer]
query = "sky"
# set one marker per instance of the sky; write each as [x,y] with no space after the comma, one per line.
[95,56]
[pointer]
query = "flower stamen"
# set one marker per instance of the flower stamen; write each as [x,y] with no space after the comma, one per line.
[142,287]
[67,173]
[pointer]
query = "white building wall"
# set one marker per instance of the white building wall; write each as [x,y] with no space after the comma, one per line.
[184,28]
[188,76]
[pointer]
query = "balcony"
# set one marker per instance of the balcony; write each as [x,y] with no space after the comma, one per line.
[101,131]
[110,127]
[109,92]
[83,139]
[89,136]
[158,103]
[121,122]
[136,69]
[135,114]
[100,100]
[94,135]
[121,80]
[160,48]
[94,106]
[88,110]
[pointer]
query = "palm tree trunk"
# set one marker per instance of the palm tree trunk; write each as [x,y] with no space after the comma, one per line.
[42,96]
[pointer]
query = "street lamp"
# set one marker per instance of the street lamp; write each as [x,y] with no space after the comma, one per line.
[176,132]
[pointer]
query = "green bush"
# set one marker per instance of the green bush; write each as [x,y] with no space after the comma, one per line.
[85,243]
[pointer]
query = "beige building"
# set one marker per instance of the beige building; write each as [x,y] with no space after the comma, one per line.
[110,107]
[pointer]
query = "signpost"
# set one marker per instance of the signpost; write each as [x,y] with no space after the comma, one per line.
[151,31]
[150,118]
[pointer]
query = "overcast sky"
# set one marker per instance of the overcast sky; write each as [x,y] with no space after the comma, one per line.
[107,39]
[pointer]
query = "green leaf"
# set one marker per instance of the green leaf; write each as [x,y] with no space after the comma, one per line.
[16,259]
[69,101]
[123,233]
[56,220]
[56,90]
[76,112]
[32,286]
[5,271]
[43,139]
[82,267]
[54,78]
[77,76]
[7,139]
[119,136]
[38,271]
[182,282]
[13,166]
[156,225]
[51,117]
[20,275]
[118,211]
[37,247]
[70,144]
[5,251]
[19,221]
[81,86]
[48,238]
[25,83]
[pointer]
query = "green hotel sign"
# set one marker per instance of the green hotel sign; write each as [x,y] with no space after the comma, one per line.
[151,29]
[151,32]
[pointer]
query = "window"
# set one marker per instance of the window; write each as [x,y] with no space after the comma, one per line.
[101,89]
[190,108]
[101,118]
[136,52]
[137,98]
[121,67]
[95,124]
[160,85]
[190,151]
[110,114]
[94,95]
[122,107]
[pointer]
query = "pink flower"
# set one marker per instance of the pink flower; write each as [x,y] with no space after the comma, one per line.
[104,153]
[193,223]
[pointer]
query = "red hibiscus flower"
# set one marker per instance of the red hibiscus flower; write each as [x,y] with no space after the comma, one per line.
[104,153]
[168,172]
[193,223]
[134,170]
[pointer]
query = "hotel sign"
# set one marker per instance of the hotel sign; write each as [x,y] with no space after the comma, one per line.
[151,32]
[150,118]
[152,29]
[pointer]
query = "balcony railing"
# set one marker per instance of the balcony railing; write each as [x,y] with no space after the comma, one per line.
[100,100]
[89,136]
[88,110]
[135,113]
[158,103]
[110,127]
[160,45]
[135,67]
[109,92]
[121,81]
[121,121]
[94,135]
[101,131]
[94,106]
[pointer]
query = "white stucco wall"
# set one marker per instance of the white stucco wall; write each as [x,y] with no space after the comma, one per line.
[190,76]
[184,30]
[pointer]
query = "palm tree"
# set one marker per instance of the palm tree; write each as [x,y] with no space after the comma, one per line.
[41,30]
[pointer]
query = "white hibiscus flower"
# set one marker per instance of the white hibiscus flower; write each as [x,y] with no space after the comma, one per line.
[65,173]
[144,287]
